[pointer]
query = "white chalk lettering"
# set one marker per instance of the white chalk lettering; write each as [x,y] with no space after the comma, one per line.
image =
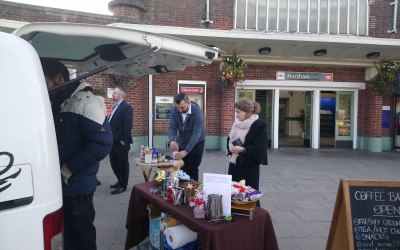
[362,229]
[395,231]
[366,221]
[392,223]
[387,210]
[394,196]
[369,196]
[374,237]
[381,230]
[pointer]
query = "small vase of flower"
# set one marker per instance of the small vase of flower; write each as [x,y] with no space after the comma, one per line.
[199,213]
[198,203]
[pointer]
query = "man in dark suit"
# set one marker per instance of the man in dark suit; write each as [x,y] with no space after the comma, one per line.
[121,124]
[186,133]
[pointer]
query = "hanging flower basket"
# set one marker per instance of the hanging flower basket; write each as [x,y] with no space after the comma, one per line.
[232,69]
[387,78]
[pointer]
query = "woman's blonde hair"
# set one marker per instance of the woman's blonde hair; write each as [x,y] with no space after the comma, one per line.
[248,106]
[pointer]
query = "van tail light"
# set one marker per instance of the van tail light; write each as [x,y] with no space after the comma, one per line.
[52,230]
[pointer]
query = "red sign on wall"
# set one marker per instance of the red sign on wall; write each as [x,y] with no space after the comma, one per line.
[192,90]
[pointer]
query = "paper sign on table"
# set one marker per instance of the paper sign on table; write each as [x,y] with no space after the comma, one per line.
[219,184]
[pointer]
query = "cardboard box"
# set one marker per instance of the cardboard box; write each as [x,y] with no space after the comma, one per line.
[154,226]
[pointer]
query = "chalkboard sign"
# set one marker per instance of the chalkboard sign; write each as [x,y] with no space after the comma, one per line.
[375,213]
[366,216]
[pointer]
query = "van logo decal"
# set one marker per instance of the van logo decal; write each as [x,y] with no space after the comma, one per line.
[6,174]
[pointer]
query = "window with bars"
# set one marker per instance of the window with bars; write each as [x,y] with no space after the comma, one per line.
[347,17]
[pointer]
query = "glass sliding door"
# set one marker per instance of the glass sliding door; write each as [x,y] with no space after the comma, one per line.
[344,120]
[308,119]
[265,99]
[269,107]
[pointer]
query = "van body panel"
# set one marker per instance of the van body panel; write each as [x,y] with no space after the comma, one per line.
[27,132]
[19,187]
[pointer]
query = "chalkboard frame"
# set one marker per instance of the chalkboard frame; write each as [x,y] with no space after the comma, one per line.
[341,230]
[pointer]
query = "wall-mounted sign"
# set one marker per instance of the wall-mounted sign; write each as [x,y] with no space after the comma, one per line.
[195,90]
[249,94]
[386,114]
[164,105]
[304,76]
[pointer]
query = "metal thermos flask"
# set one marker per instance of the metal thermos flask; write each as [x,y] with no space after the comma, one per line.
[214,207]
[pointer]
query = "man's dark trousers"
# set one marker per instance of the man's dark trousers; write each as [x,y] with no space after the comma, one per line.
[193,159]
[119,163]
[79,232]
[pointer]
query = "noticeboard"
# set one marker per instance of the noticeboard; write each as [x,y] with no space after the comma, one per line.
[366,216]
[164,105]
[249,94]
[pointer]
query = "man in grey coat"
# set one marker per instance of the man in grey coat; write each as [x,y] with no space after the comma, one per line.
[186,133]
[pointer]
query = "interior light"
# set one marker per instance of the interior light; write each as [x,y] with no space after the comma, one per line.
[320,52]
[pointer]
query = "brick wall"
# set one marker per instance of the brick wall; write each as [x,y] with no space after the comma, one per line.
[32,13]
[370,113]
[167,85]
[381,19]
[190,13]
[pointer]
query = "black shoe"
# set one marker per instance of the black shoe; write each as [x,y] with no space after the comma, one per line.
[116,185]
[118,190]
[98,183]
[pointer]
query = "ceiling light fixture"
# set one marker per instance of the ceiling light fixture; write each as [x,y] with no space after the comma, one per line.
[373,55]
[320,52]
[264,51]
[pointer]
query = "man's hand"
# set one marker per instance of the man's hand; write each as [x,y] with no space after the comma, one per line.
[181,154]
[173,146]
[122,143]
[65,173]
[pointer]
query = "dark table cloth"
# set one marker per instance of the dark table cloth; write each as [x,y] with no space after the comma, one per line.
[241,233]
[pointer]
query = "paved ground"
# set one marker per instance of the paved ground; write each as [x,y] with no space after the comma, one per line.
[300,187]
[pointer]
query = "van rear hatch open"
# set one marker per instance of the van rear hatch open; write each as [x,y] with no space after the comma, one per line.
[85,47]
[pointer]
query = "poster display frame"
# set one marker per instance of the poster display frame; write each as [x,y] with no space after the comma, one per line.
[195,86]
[162,100]
[249,94]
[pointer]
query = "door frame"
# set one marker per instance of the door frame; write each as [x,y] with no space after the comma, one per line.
[316,87]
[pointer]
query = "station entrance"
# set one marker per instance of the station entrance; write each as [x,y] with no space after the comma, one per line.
[315,117]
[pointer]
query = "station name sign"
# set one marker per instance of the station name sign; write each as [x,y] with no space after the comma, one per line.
[304,76]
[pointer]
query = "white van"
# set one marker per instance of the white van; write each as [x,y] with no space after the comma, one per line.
[30,183]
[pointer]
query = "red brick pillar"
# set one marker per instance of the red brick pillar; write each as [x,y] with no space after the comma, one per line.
[373,114]
[227,116]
